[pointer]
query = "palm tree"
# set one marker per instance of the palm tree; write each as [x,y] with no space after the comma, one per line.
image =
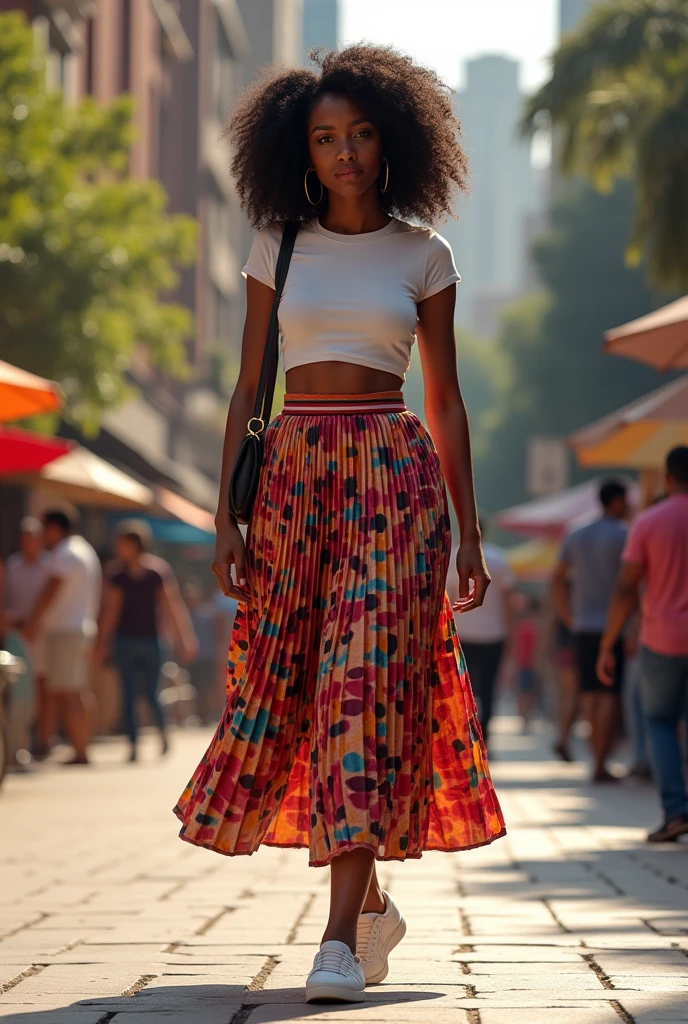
[618,94]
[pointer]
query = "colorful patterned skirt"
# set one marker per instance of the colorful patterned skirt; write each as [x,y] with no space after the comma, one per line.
[350,720]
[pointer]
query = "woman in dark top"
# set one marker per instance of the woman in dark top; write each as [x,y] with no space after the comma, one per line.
[136,594]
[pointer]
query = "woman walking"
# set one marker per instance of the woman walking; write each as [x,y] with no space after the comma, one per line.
[350,728]
[137,598]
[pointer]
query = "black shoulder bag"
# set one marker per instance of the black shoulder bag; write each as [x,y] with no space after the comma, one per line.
[243,483]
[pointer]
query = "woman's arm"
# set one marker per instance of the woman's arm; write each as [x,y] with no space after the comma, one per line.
[446,416]
[229,548]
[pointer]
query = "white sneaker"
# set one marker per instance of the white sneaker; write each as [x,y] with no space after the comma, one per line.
[376,937]
[336,976]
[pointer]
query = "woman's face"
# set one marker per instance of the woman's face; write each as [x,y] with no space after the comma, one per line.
[345,147]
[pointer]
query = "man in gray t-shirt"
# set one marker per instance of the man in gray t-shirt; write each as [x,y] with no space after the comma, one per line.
[584,582]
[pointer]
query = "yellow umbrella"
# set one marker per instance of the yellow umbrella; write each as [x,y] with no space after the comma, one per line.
[534,561]
[24,394]
[639,435]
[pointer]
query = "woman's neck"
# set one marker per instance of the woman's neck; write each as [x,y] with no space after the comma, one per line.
[356,216]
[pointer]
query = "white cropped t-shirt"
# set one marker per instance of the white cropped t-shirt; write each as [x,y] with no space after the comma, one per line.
[353,298]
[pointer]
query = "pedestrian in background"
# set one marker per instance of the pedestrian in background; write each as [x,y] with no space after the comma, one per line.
[26,573]
[203,669]
[66,612]
[135,598]
[525,654]
[488,632]
[568,686]
[656,558]
[583,586]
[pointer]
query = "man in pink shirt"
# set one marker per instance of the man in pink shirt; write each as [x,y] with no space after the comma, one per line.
[656,553]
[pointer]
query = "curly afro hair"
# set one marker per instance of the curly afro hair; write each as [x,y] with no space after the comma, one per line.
[408,103]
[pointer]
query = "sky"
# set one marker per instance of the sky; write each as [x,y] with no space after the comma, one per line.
[443,33]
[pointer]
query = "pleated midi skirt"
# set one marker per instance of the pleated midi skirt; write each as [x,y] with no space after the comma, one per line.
[350,721]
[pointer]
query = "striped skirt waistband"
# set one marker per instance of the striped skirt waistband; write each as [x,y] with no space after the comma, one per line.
[315,405]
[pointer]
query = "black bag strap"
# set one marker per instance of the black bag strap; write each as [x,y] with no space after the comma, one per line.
[268,369]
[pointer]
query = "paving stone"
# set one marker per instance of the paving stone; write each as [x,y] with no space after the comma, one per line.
[513,921]
[599,1014]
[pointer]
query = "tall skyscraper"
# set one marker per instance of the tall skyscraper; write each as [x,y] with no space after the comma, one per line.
[320,24]
[571,12]
[489,236]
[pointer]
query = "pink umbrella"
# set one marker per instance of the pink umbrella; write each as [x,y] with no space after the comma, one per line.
[551,516]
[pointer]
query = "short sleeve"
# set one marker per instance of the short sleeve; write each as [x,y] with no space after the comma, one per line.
[262,259]
[635,549]
[60,564]
[440,269]
[156,579]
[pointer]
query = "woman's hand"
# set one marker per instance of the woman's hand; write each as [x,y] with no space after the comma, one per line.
[231,550]
[471,568]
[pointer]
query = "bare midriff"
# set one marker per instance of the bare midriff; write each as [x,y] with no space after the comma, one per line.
[339,378]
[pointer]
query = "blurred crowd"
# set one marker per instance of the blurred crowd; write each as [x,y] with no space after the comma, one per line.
[607,642]
[84,626]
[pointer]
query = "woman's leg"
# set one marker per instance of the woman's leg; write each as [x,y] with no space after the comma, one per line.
[350,879]
[374,902]
[569,698]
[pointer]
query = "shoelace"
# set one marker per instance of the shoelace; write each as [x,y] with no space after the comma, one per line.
[334,960]
[365,936]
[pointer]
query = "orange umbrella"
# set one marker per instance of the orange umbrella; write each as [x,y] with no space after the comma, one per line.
[639,435]
[660,338]
[24,394]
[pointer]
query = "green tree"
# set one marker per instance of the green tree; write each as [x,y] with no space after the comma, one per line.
[618,93]
[560,377]
[84,251]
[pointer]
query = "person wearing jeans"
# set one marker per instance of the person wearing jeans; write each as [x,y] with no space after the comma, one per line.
[137,594]
[656,554]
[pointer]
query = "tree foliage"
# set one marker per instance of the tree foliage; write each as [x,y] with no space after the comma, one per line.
[618,94]
[560,377]
[84,251]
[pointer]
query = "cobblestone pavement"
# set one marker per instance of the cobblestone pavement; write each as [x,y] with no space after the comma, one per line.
[105,916]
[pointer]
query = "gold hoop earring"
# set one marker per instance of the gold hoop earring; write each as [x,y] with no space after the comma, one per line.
[305,185]
[384,188]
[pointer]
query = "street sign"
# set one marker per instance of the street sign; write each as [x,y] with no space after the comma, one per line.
[548,462]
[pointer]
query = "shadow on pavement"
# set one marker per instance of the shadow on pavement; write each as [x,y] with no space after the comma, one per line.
[208,1004]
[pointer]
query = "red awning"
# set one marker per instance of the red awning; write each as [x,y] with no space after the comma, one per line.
[24,452]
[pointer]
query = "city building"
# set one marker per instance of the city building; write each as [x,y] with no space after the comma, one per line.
[320,25]
[490,236]
[185,63]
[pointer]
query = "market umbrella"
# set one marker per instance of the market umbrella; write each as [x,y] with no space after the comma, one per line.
[89,480]
[534,560]
[22,451]
[639,435]
[660,338]
[24,394]
[551,516]
[86,479]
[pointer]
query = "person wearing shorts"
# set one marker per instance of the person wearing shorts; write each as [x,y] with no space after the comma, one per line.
[584,582]
[66,611]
